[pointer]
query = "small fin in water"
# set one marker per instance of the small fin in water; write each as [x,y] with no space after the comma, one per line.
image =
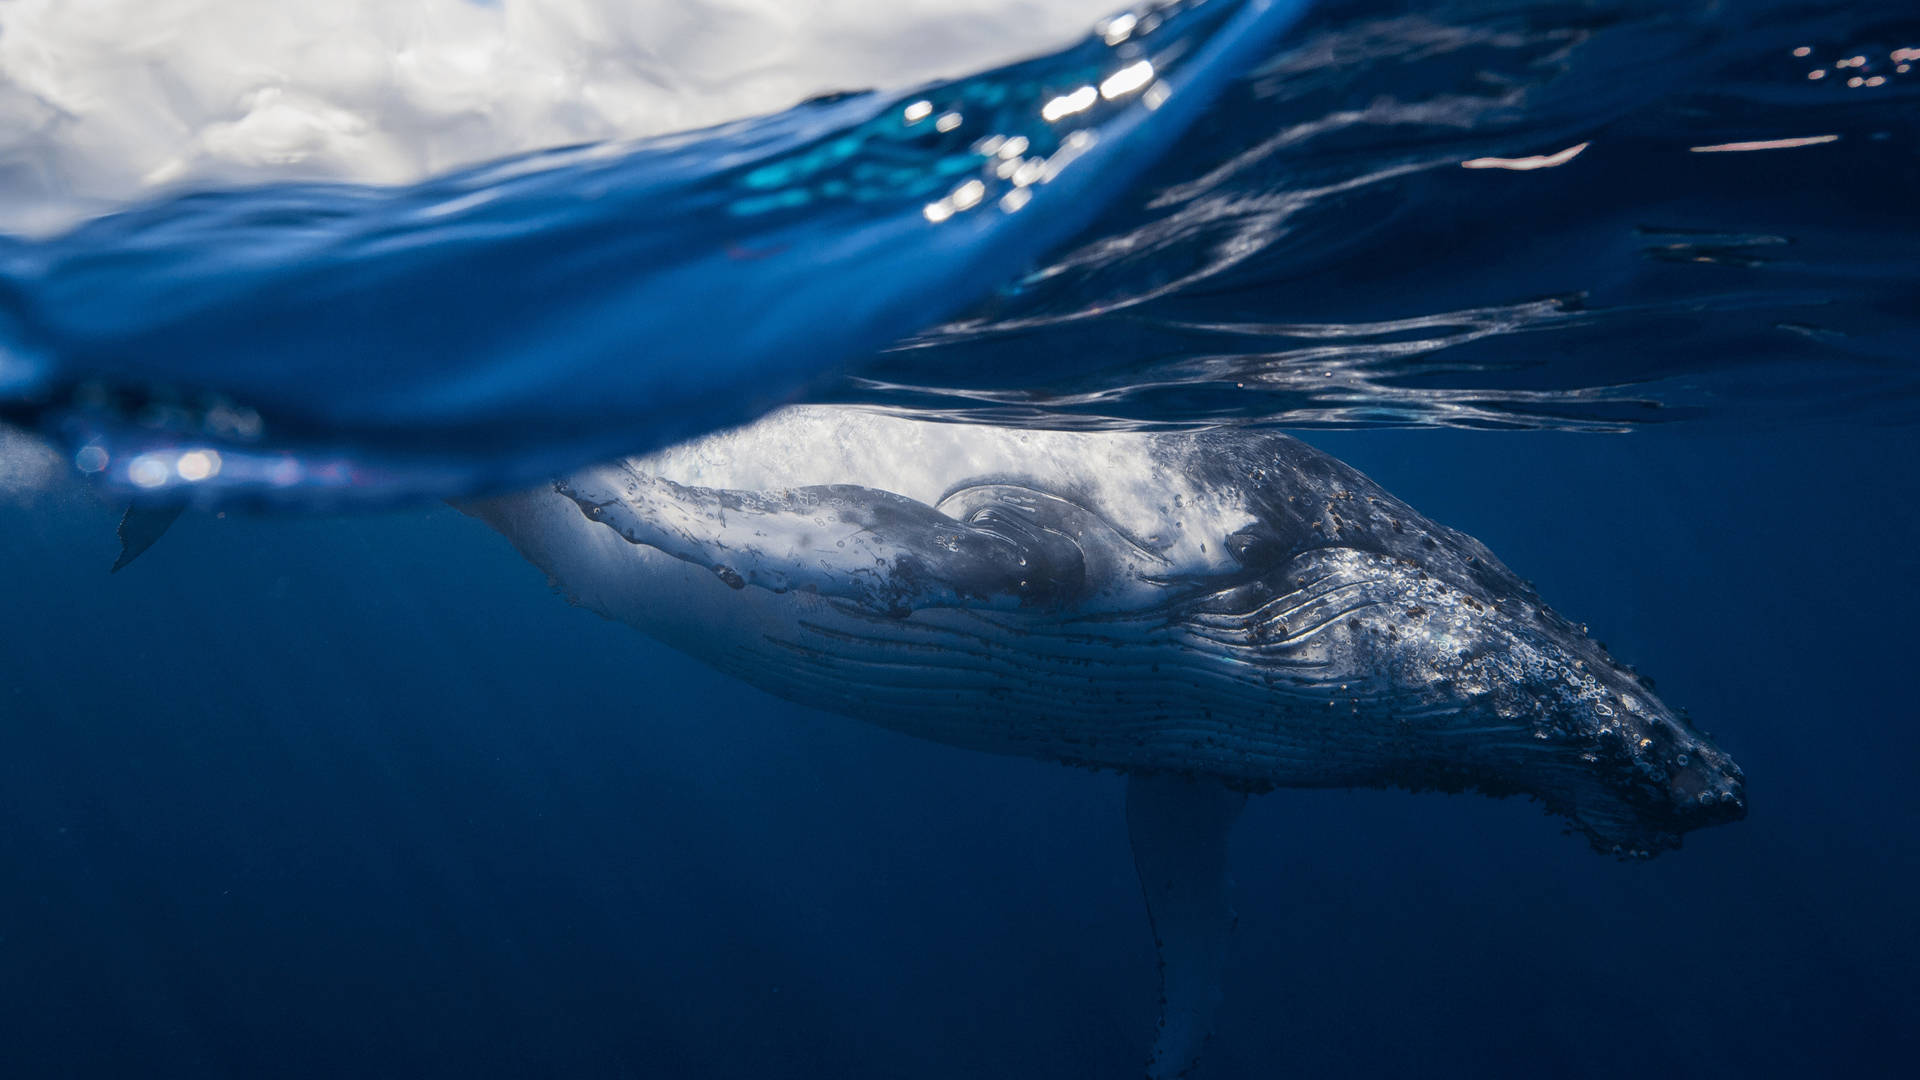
[1179,829]
[142,527]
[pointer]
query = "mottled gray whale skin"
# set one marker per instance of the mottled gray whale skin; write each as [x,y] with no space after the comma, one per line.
[1215,614]
[1229,605]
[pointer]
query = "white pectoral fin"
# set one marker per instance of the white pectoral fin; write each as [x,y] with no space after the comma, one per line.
[862,545]
[1179,830]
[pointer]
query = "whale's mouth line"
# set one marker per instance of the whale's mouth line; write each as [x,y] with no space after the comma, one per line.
[1278,610]
[887,654]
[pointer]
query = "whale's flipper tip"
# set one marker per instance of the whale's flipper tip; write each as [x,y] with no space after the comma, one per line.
[1179,829]
[140,528]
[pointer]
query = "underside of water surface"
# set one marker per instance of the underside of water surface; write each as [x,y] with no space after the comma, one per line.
[1474,214]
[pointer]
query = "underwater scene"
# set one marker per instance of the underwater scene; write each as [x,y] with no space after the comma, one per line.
[959,538]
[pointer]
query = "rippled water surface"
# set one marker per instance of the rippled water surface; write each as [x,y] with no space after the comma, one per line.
[1586,216]
[1490,215]
[345,343]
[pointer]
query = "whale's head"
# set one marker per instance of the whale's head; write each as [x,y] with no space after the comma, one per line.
[1447,671]
[1629,773]
[1547,711]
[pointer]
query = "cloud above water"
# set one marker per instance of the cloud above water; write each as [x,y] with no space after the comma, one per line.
[106,101]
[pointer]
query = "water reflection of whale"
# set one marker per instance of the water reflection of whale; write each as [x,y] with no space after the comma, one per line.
[1214,614]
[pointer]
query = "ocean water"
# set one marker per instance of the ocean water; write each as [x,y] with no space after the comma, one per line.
[312,793]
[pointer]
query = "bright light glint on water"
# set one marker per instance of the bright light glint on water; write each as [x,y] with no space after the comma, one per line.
[197,465]
[1527,164]
[148,471]
[1067,104]
[1765,144]
[1127,80]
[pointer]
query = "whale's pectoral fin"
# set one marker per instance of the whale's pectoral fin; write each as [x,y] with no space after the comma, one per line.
[1179,829]
[862,545]
[142,527]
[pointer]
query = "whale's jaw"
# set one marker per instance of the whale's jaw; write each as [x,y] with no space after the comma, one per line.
[1414,673]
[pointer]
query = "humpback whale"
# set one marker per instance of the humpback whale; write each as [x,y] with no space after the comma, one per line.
[1214,614]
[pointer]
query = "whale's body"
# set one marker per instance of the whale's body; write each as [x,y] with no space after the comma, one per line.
[1229,605]
[1212,613]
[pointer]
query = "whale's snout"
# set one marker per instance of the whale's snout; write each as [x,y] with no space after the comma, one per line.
[1653,777]
[1704,786]
[1626,770]
[1488,689]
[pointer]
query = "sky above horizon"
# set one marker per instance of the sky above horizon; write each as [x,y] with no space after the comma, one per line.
[105,102]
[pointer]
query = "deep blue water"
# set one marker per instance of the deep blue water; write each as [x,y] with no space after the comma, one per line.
[315,796]
[308,797]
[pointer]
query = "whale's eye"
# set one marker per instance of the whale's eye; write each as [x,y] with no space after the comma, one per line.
[1255,548]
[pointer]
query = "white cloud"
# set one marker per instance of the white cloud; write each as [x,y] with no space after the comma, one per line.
[104,101]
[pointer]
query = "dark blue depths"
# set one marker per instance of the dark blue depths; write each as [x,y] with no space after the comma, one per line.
[320,798]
